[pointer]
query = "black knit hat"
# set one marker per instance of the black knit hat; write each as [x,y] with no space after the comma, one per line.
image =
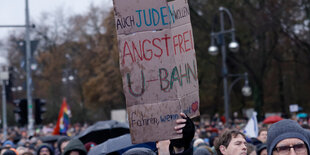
[285,129]
[260,148]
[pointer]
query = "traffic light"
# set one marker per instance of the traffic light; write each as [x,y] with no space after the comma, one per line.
[21,111]
[39,110]
[8,87]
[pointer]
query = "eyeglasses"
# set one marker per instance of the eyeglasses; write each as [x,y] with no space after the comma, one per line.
[284,150]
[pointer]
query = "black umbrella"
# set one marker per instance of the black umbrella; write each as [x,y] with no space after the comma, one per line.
[50,139]
[102,131]
[118,144]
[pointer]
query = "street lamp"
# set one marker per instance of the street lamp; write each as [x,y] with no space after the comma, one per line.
[69,78]
[219,38]
[246,89]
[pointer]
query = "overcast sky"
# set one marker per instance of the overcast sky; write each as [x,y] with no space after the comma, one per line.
[12,12]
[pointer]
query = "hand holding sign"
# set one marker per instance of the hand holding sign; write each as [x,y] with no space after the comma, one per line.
[185,127]
[181,123]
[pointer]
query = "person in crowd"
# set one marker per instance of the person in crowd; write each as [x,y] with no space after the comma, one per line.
[231,142]
[202,151]
[45,149]
[89,145]
[75,147]
[139,151]
[27,153]
[287,137]
[163,147]
[9,152]
[261,149]
[21,149]
[62,142]
[261,138]
[31,149]
[8,143]
[23,138]
[305,126]
[251,150]
[201,148]
[262,135]
[198,142]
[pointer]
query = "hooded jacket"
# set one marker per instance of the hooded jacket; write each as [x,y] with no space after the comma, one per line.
[61,140]
[285,129]
[75,145]
[44,145]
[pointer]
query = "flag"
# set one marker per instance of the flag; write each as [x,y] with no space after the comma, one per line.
[63,119]
[251,129]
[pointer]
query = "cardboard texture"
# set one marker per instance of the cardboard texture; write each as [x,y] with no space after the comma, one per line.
[146,15]
[159,69]
[140,15]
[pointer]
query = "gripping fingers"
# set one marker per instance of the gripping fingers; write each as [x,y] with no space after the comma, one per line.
[181,121]
[179,131]
[183,115]
[180,126]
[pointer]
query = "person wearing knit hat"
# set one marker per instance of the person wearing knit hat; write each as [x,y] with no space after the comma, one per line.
[75,146]
[62,143]
[287,136]
[45,149]
[139,151]
[261,149]
[8,143]
[9,152]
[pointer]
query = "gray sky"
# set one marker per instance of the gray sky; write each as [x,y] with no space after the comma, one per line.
[12,12]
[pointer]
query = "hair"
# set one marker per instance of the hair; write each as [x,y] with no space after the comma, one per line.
[261,130]
[250,148]
[225,138]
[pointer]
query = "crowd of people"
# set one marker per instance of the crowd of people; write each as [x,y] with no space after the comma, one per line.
[17,141]
[212,137]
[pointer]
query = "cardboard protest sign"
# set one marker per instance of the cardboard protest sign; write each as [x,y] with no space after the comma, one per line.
[158,67]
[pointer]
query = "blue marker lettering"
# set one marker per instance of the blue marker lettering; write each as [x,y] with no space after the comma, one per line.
[139,18]
[149,18]
[153,12]
[171,14]
[163,16]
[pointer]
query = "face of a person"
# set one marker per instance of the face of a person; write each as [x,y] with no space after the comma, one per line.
[44,151]
[63,145]
[237,146]
[291,146]
[163,147]
[264,152]
[262,136]
[74,153]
